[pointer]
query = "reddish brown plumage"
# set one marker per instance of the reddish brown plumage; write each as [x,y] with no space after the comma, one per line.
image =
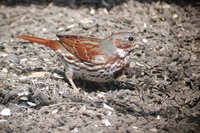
[94,59]
[53,44]
[83,47]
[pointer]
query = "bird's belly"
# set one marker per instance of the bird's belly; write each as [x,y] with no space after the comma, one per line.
[93,72]
[101,73]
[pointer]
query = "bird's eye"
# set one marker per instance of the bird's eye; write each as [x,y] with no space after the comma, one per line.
[130,38]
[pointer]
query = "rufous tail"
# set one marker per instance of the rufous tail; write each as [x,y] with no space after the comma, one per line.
[53,44]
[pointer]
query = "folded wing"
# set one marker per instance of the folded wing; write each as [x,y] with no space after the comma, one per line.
[86,48]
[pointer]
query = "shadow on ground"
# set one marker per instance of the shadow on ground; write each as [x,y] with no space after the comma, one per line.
[176,2]
[109,4]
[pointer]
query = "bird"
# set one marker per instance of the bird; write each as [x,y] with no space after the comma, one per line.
[90,58]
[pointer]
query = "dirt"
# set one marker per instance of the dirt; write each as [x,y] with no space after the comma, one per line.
[159,92]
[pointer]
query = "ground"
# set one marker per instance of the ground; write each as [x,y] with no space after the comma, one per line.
[159,92]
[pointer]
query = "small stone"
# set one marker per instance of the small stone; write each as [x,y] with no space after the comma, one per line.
[92,11]
[44,29]
[71,26]
[25,93]
[144,40]
[55,75]
[106,122]
[54,111]
[3,55]
[101,95]
[158,117]
[38,74]
[96,125]
[23,60]
[5,70]
[23,78]
[5,112]
[61,29]
[75,130]
[105,11]
[145,25]
[154,130]
[175,16]
[61,92]
[31,104]
[86,21]
[24,98]
[134,127]
[109,113]
[107,107]
[3,121]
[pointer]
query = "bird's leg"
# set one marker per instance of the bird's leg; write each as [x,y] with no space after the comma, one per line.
[69,76]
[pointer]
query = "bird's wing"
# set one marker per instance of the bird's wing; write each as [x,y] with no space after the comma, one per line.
[86,48]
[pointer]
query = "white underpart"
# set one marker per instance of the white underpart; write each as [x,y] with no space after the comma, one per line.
[121,53]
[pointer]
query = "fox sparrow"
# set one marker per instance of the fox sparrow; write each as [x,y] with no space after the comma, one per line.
[93,59]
